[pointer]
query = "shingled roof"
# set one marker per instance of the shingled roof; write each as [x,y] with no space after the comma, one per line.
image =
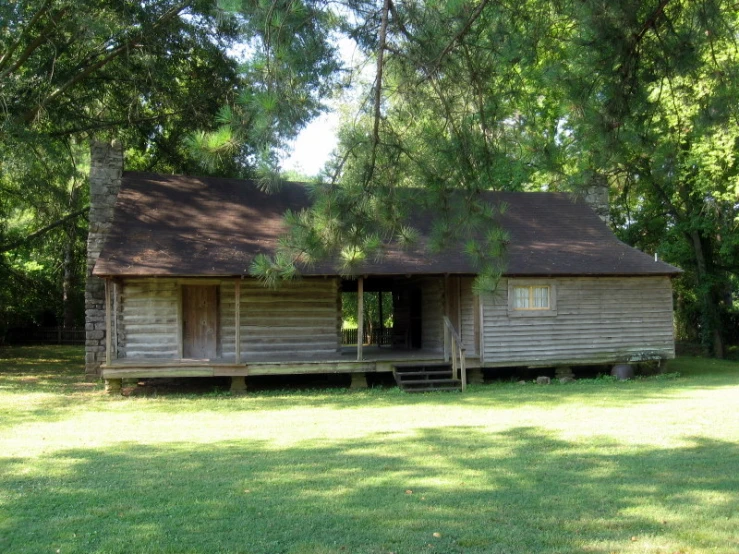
[171,225]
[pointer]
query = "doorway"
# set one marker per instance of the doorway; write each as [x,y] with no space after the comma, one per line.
[200,321]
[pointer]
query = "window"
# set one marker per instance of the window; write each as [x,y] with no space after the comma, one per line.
[531,297]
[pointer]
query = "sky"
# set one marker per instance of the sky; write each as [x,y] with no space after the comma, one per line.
[312,147]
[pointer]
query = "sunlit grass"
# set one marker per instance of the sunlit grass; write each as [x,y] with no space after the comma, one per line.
[648,466]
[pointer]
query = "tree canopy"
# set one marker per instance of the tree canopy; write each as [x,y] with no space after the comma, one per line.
[567,95]
[464,96]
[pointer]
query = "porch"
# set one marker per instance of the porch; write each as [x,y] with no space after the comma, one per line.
[375,359]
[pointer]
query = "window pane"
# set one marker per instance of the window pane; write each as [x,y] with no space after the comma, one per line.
[541,297]
[521,297]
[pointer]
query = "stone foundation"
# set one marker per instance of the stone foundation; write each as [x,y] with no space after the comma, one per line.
[359,381]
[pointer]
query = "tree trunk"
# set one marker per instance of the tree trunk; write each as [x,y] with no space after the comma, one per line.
[68,265]
[706,289]
[68,281]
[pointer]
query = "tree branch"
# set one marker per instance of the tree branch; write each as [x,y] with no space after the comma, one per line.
[460,34]
[651,22]
[168,15]
[45,32]
[9,52]
[43,231]
[378,92]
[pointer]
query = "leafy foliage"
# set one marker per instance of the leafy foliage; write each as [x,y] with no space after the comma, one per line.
[639,97]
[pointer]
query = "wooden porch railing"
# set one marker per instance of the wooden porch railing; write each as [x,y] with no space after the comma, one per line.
[454,349]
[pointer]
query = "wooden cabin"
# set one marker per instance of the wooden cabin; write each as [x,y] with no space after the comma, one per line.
[179,300]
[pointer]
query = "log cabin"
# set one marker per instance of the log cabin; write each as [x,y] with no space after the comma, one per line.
[170,258]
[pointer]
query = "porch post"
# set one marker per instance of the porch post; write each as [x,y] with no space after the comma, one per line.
[108,326]
[237,320]
[382,325]
[360,317]
[481,333]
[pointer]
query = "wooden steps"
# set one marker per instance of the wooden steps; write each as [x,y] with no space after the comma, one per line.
[426,377]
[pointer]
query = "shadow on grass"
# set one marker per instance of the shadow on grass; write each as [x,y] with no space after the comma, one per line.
[518,491]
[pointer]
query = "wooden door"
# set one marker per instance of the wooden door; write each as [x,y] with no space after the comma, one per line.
[200,321]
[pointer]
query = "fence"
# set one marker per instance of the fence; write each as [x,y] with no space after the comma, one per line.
[46,335]
[380,337]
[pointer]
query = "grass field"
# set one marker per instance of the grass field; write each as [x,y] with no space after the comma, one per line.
[647,466]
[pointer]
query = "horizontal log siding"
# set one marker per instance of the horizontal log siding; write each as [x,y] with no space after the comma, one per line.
[598,319]
[227,323]
[467,324]
[148,319]
[299,318]
[432,313]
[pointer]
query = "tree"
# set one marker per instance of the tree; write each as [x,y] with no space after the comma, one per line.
[149,73]
[566,95]
[660,120]
[153,74]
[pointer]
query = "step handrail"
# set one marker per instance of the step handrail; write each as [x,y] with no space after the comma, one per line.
[454,349]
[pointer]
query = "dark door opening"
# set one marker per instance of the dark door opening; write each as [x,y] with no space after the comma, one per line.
[408,328]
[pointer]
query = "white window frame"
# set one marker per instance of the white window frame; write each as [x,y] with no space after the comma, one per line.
[549,311]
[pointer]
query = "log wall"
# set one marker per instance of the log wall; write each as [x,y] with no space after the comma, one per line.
[298,319]
[147,319]
[597,320]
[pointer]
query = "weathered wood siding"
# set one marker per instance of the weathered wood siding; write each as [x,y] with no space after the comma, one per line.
[297,320]
[228,335]
[300,319]
[597,320]
[467,302]
[432,313]
[147,322]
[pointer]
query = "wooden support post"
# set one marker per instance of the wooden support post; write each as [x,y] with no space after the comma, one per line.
[237,320]
[462,369]
[481,350]
[108,326]
[180,338]
[116,308]
[360,317]
[458,315]
[382,325]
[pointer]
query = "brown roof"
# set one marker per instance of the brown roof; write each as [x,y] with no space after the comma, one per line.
[188,226]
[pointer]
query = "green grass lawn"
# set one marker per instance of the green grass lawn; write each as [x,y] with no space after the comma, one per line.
[647,466]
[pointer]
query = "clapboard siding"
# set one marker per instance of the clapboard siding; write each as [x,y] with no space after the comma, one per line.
[432,313]
[598,319]
[147,319]
[299,319]
[467,309]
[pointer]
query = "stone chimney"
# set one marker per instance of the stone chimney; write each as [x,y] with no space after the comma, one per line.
[596,196]
[106,169]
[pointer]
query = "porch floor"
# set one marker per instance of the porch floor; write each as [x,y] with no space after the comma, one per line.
[374,359]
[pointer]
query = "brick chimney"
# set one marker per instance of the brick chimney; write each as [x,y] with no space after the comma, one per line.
[106,169]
